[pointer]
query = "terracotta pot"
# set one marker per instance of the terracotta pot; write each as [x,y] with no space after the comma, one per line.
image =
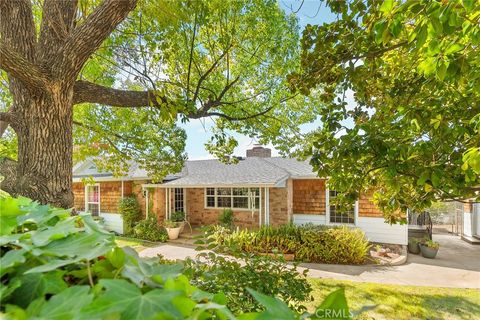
[428,252]
[173,233]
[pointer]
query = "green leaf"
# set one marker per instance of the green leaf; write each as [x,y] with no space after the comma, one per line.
[275,309]
[469,4]
[11,259]
[335,303]
[58,231]
[428,187]
[126,298]
[9,210]
[116,257]
[387,6]
[67,304]
[454,48]
[36,285]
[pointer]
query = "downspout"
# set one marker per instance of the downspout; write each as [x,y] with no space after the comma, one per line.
[166,204]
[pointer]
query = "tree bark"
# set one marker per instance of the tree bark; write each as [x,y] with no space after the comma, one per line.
[44,169]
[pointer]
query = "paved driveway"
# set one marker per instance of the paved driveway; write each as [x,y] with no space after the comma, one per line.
[457,265]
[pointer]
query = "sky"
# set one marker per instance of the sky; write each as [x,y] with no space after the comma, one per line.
[198,131]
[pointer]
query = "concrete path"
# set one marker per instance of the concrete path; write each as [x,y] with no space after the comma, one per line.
[457,266]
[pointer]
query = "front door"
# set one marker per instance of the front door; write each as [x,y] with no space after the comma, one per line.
[179,197]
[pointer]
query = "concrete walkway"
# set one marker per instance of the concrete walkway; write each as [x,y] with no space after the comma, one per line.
[457,266]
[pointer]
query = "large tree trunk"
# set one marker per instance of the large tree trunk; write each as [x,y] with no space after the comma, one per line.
[44,169]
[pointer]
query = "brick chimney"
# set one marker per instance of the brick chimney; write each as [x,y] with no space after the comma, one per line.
[259,151]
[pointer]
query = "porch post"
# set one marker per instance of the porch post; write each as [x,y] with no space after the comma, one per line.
[146,202]
[122,188]
[260,207]
[267,206]
[166,203]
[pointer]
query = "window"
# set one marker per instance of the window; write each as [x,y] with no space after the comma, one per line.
[92,197]
[235,198]
[340,215]
[178,197]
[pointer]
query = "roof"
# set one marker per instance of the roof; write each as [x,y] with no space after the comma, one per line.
[250,171]
[87,169]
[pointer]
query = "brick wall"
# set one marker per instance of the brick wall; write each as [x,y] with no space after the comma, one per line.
[309,196]
[198,215]
[278,206]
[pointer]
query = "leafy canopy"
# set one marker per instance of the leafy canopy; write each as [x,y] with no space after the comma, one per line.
[222,60]
[412,129]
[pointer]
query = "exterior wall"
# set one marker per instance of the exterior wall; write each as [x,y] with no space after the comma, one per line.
[377,230]
[78,189]
[366,208]
[198,215]
[468,219]
[309,196]
[309,206]
[110,196]
[278,206]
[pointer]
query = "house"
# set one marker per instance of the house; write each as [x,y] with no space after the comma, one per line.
[260,189]
[471,222]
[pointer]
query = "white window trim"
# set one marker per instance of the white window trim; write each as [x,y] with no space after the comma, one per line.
[231,197]
[99,197]
[327,212]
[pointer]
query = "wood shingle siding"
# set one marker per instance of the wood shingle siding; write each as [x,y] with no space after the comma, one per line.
[309,196]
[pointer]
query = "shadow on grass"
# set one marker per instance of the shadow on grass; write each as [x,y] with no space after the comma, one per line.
[402,302]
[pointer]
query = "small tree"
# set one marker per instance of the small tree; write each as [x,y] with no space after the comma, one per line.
[130,210]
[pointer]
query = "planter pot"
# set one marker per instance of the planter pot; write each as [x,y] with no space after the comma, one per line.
[413,248]
[173,233]
[427,252]
[181,225]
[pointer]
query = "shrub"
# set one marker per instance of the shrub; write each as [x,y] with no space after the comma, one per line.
[309,243]
[226,218]
[150,230]
[213,273]
[130,211]
[178,216]
[58,266]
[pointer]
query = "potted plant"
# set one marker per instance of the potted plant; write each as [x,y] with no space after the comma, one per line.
[173,229]
[179,218]
[429,249]
[413,246]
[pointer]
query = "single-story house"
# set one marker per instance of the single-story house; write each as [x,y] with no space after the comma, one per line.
[260,190]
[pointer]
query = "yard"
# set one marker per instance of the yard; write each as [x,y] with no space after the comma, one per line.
[382,301]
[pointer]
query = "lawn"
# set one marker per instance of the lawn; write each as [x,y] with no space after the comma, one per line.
[401,302]
[136,244]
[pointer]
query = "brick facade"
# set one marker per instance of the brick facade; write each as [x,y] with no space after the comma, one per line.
[309,196]
[303,196]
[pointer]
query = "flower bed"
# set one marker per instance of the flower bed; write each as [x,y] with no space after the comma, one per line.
[306,243]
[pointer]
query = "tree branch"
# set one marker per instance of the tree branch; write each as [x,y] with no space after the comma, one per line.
[86,38]
[85,91]
[22,69]
[231,118]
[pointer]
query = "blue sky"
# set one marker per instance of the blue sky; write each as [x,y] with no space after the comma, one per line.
[198,131]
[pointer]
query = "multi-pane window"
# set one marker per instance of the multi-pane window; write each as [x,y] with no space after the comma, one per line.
[235,198]
[179,197]
[93,199]
[344,214]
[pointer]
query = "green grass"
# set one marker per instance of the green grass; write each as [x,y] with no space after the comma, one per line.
[136,244]
[401,302]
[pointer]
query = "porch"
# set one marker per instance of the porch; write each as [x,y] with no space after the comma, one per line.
[251,204]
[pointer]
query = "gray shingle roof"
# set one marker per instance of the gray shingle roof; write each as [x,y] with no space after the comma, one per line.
[248,171]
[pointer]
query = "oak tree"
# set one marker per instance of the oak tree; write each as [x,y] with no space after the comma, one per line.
[114,79]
